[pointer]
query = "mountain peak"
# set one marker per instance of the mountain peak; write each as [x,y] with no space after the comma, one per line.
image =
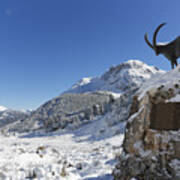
[82,82]
[117,79]
[2,108]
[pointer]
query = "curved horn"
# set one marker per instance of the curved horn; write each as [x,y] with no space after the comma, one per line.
[146,39]
[155,33]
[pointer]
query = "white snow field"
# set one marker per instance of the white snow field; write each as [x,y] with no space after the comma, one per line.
[87,153]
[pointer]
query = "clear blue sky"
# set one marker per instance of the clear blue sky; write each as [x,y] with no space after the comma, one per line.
[47,45]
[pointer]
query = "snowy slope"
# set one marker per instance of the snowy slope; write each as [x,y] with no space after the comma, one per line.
[117,79]
[65,111]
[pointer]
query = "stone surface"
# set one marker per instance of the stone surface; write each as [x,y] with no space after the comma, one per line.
[151,148]
[165,116]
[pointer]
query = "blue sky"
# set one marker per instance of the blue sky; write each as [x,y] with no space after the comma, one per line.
[47,45]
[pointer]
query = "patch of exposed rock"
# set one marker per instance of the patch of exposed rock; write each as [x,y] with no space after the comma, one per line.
[151,148]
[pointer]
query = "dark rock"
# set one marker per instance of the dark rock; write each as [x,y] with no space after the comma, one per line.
[165,116]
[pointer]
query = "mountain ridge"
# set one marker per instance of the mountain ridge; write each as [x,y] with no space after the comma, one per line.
[89,98]
[132,72]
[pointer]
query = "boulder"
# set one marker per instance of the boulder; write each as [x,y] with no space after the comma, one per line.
[151,147]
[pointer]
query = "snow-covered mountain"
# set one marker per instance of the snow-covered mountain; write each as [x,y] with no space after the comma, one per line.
[8,116]
[2,108]
[117,79]
[91,97]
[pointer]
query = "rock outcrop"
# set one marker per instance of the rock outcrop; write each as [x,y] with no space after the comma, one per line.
[151,148]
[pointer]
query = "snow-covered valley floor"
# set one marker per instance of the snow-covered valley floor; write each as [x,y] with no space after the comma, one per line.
[75,155]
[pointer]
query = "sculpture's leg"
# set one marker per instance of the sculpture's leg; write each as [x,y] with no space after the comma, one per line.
[172,64]
[176,62]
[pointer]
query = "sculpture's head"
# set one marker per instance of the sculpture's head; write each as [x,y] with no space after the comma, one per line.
[154,46]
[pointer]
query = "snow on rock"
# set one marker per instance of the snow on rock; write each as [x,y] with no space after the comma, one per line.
[162,81]
[176,98]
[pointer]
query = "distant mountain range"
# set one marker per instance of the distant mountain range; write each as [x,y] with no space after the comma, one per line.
[8,116]
[2,108]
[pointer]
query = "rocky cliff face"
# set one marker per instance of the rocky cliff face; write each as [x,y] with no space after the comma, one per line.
[151,148]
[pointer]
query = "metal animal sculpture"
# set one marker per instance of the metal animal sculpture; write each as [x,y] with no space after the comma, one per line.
[170,50]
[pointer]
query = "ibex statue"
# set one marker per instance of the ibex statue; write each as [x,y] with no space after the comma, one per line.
[171,50]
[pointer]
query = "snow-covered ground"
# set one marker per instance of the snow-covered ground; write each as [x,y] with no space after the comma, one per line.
[87,153]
